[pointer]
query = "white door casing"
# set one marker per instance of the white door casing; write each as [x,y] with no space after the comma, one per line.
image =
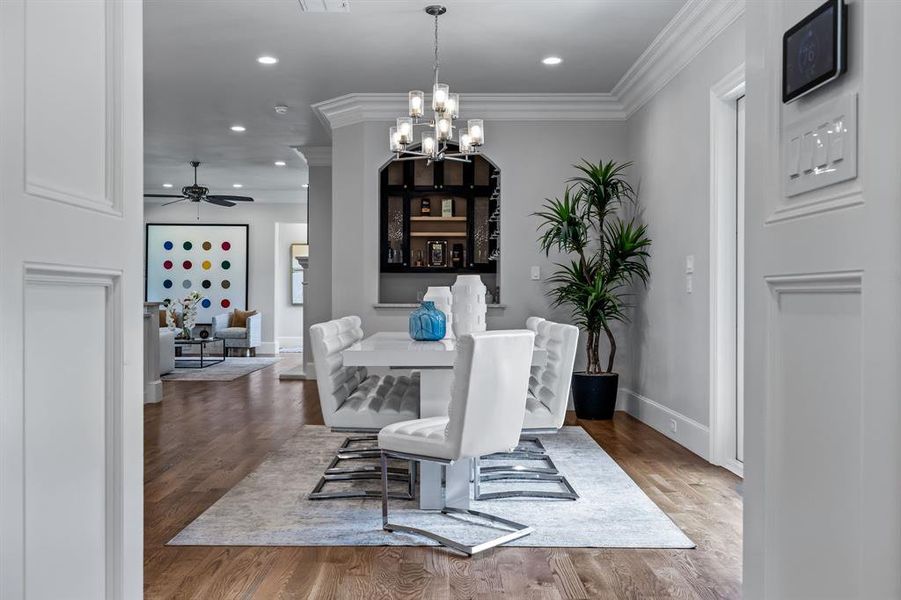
[724,199]
[822,328]
[71,433]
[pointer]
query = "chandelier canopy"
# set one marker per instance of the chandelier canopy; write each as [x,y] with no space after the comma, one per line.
[435,133]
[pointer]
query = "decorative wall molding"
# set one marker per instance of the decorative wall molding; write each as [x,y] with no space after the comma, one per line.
[110,281]
[358,108]
[693,28]
[697,24]
[111,202]
[689,433]
[315,156]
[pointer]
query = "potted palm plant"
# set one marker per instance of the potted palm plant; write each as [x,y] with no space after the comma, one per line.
[607,254]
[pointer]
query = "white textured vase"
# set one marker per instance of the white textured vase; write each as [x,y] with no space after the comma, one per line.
[444,300]
[469,306]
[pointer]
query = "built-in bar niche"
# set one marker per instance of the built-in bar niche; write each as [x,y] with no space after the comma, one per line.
[438,219]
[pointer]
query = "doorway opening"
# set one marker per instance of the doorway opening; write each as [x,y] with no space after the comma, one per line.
[727,133]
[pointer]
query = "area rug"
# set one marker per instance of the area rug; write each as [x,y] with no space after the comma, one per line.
[230,370]
[270,506]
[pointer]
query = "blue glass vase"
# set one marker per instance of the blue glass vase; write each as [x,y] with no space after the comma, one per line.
[427,323]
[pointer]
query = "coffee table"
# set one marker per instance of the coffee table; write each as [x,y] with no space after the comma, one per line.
[205,360]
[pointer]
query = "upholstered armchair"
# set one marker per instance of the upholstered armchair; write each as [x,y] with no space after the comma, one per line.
[247,338]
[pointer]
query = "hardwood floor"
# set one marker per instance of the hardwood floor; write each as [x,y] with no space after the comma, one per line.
[206,436]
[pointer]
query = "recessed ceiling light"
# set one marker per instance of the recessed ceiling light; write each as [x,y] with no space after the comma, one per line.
[238,128]
[267,60]
[279,163]
[167,185]
[305,186]
[552,60]
[237,185]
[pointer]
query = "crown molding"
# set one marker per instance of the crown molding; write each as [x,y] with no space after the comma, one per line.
[358,108]
[315,156]
[693,28]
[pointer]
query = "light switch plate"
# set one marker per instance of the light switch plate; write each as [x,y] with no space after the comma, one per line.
[690,263]
[819,147]
[536,273]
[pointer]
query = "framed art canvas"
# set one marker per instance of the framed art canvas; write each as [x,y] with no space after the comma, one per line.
[209,259]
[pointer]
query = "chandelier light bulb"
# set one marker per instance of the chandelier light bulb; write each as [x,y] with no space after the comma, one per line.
[405,130]
[444,129]
[394,140]
[453,106]
[428,144]
[476,132]
[465,142]
[440,94]
[416,103]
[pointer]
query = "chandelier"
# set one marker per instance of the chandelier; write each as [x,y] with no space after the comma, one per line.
[435,133]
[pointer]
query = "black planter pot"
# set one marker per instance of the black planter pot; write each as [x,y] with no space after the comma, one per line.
[595,395]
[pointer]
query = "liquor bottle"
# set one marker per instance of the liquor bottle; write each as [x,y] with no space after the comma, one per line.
[419,262]
[457,256]
[390,254]
[426,207]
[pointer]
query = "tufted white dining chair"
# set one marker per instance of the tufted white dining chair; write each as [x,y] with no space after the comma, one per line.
[491,375]
[354,401]
[546,403]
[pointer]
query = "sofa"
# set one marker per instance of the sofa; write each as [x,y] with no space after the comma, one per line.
[247,338]
[167,350]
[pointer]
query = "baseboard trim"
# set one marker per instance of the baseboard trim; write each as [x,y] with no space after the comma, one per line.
[689,433]
[153,392]
[290,342]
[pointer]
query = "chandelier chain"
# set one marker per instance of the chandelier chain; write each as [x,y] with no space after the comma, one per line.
[437,63]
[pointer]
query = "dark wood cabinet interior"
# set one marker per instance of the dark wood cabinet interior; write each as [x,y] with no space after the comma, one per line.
[439,217]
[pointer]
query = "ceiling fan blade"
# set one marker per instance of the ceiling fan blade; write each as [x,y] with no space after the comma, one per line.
[232,198]
[174,201]
[163,195]
[218,201]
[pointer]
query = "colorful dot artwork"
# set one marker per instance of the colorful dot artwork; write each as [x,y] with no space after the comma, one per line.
[209,259]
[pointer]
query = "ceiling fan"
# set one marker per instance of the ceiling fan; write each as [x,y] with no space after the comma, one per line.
[197,193]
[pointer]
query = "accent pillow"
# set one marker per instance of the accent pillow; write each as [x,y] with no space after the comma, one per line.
[238,318]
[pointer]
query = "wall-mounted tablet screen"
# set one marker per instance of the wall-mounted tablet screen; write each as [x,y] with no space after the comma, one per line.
[814,51]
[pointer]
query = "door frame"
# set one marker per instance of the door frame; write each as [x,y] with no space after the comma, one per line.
[723,331]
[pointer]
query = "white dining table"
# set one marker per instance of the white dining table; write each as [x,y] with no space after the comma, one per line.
[435,362]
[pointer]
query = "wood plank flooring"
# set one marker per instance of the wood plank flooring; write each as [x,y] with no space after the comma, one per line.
[207,436]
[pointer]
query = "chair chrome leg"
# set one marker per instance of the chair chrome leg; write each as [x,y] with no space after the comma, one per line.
[569,494]
[518,529]
[549,469]
[334,473]
[537,447]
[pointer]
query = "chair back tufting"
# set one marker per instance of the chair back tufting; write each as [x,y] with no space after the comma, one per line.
[335,381]
[550,383]
[488,399]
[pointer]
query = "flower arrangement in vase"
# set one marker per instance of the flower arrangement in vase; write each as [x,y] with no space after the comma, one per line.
[189,314]
[171,317]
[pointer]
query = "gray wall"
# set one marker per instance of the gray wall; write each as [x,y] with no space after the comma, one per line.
[666,349]
[318,292]
[535,160]
[288,316]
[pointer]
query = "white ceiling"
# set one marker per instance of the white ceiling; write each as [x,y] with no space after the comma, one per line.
[201,74]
